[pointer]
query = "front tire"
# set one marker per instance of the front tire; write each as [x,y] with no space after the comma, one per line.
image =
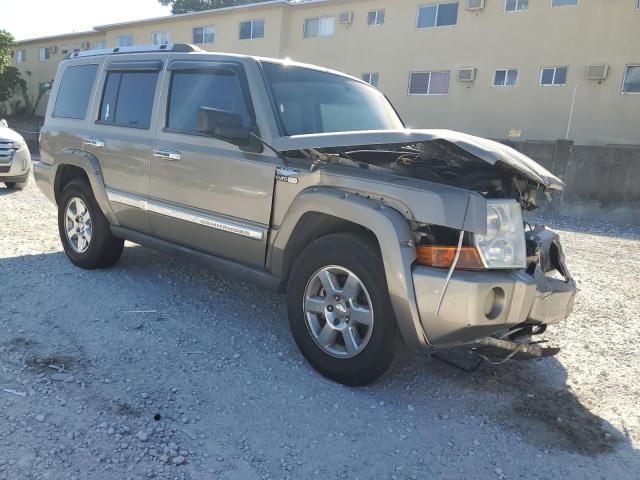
[339,309]
[84,230]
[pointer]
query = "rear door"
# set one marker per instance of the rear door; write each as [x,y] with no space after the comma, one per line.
[206,193]
[122,136]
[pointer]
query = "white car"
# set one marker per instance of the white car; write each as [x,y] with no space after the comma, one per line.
[15,159]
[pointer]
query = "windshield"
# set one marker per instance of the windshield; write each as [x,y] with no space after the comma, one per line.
[312,101]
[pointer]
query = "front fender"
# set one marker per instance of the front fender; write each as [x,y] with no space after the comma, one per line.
[89,163]
[394,238]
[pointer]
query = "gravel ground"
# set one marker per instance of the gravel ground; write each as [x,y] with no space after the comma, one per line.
[160,368]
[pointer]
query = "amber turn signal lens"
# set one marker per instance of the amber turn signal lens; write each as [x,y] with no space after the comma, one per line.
[442,257]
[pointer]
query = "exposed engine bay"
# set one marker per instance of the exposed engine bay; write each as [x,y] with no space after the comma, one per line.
[438,161]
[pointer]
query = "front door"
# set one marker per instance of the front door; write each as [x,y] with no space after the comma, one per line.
[122,137]
[205,193]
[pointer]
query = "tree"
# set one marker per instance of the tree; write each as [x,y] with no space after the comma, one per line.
[11,84]
[6,52]
[186,6]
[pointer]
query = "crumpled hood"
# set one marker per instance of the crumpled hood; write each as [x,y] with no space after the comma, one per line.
[486,150]
[6,134]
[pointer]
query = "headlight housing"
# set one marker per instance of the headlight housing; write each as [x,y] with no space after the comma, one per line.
[19,145]
[504,244]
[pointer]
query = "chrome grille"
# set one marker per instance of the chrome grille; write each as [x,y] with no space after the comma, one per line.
[6,152]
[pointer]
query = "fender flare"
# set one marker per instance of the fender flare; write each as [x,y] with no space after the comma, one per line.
[394,237]
[89,163]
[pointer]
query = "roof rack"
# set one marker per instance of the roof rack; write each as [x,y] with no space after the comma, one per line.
[167,47]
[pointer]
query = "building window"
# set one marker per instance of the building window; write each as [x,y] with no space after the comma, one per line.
[376,17]
[554,76]
[563,3]
[372,79]
[507,77]
[429,83]
[203,35]
[125,41]
[251,29]
[44,53]
[631,83]
[516,5]
[319,27]
[160,38]
[21,56]
[127,99]
[438,15]
[99,45]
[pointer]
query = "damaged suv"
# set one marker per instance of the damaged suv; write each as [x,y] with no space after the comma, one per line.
[304,180]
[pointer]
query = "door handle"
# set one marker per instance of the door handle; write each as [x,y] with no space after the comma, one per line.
[93,142]
[170,155]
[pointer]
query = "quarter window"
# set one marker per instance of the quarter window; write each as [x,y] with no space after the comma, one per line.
[319,27]
[563,3]
[631,83]
[125,41]
[203,35]
[160,38]
[193,90]
[21,56]
[376,17]
[553,76]
[372,79]
[516,5]
[127,100]
[505,77]
[438,15]
[251,29]
[74,92]
[429,83]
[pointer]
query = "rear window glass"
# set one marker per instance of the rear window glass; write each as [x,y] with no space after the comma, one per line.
[191,90]
[74,92]
[127,100]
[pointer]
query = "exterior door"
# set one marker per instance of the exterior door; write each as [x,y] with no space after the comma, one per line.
[122,137]
[205,193]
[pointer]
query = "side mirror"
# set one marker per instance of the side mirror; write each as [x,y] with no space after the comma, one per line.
[3,123]
[224,125]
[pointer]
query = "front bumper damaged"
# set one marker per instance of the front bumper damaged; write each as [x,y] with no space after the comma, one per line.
[476,305]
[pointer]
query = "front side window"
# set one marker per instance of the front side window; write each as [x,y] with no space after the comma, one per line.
[563,3]
[251,29]
[203,35]
[127,100]
[21,56]
[192,91]
[125,41]
[631,83]
[429,83]
[505,77]
[44,54]
[319,27]
[438,15]
[555,76]
[310,101]
[516,5]
[375,17]
[160,38]
[74,92]
[372,79]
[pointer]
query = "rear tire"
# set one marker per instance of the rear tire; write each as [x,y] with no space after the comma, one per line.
[90,244]
[325,321]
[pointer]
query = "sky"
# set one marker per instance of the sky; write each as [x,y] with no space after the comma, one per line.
[40,18]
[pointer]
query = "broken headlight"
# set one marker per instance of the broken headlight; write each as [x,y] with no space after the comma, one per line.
[504,245]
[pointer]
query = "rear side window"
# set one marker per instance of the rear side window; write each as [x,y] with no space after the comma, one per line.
[191,90]
[127,99]
[74,92]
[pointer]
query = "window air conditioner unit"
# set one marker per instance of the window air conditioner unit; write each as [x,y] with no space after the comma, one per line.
[475,5]
[346,17]
[466,74]
[596,72]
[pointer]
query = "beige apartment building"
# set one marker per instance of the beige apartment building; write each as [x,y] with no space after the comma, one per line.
[520,69]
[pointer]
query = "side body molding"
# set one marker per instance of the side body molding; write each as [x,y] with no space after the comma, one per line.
[394,237]
[89,163]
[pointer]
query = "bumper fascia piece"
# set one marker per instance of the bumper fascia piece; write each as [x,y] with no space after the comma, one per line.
[479,304]
[43,173]
[18,167]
